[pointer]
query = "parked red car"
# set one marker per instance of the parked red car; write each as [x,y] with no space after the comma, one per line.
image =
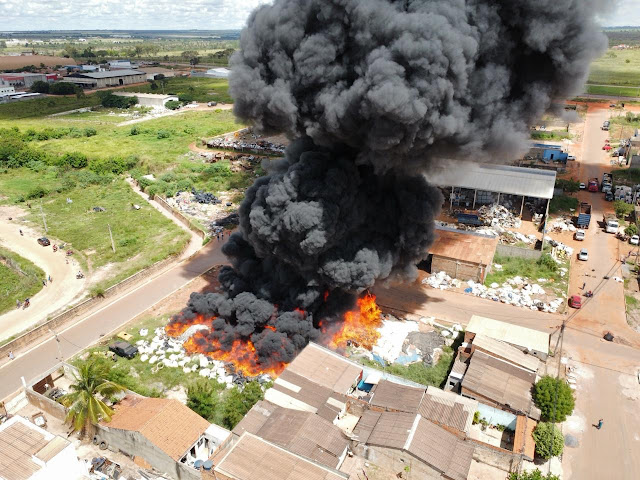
[575,301]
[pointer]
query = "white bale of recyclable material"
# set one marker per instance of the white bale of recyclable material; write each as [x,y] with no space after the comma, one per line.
[153,359]
[204,362]
[144,357]
[204,372]
[140,343]
[186,369]
[228,379]
[144,332]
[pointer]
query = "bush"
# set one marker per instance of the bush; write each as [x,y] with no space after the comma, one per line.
[164,134]
[134,131]
[109,100]
[202,398]
[237,403]
[116,165]
[63,88]
[622,209]
[549,440]
[533,475]
[631,230]
[40,87]
[74,160]
[570,186]
[554,398]
[36,192]
[548,262]
[90,132]
[562,203]
[172,105]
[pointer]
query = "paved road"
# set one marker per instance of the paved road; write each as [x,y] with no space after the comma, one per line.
[106,320]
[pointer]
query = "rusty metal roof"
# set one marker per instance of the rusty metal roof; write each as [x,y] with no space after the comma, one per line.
[499,381]
[393,396]
[254,458]
[255,418]
[365,425]
[464,246]
[446,411]
[171,426]
[325,368]
[392,430]
[505,351]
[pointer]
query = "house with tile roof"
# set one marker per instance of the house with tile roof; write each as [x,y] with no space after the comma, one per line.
[162,434]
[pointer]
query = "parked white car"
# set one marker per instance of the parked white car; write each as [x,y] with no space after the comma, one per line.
[582,186]
[579,235]
[583,255]
[635,240]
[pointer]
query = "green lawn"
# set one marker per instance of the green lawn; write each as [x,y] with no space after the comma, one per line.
[612,68]
[142,237]
[191,88]
[39,107]
[19,279]
[613,91]
[562,203]
[529,268]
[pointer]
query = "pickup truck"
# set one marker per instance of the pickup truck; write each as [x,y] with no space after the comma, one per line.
[611,224]
[593,185]
[469,219]
[584,215]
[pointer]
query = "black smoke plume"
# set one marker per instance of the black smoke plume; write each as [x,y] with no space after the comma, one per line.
[374,94]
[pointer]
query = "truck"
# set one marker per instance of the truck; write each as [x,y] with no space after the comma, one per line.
[607,182]
[611,224]
[593,185]
[605,125]
[584,215]
[469,219]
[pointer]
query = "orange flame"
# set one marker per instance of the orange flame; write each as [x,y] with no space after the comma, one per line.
[359,327]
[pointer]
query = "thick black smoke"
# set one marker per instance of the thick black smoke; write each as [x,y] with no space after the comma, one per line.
[377,92]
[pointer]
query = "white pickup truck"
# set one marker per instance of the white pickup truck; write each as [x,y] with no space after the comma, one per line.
[611,224]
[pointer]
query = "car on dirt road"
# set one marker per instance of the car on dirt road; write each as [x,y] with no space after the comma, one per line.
[582,186]
[124,349]
[579,235]
[583,255]
[44,241]
[634,240]
[575,301]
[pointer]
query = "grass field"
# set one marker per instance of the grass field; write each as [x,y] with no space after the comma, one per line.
[529,268]
[19,279]
[616,67]
[39,107]
[142,237]
[562,203]
[613,91]
[192,89]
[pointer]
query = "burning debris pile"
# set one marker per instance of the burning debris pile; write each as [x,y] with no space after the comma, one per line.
[257,146]
[375,95]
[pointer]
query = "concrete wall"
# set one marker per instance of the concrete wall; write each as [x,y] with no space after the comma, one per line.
[135,444]
[115,81]
[509,251]
[47,405]
[40,333]
[494,456]
[179,216]
[457,269]
[398,461]
[497,417]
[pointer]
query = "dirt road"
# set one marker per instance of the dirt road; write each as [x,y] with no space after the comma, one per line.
[200,108]
[52,298]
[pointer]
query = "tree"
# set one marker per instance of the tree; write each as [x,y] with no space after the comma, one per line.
[63,88]
[622,209]
[533,475]
[202,398]
[40,87]
[189,54]
[549,440]
[631,230]
[109,100]
[194,61]
[172,105]
[239,402]
[85,402]
[554,398]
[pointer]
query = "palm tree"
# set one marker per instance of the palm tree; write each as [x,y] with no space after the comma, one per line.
[85,404]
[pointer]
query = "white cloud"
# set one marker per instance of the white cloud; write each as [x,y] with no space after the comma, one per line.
[125,14]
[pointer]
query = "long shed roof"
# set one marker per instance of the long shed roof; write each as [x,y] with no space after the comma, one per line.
[507,332]
[464,246]
[112,74]
[503,350]
[529,182]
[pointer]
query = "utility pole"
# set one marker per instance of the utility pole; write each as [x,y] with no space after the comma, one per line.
[61,358]
[113,246]
[43,219]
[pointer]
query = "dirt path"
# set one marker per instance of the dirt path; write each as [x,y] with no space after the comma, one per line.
[200,108]
[52,298]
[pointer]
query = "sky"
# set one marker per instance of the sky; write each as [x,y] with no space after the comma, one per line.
[26,15]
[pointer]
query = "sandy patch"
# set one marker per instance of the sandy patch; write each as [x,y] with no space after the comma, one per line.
[630,386]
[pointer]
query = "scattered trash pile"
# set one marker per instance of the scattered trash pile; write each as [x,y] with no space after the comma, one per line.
[517,291]
[217,226]
[559,249]
[562,224]
[201,196]
[163,351]
[507,237]
[257,146]
[497,215]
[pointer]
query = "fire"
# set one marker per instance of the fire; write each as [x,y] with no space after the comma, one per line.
[359,327]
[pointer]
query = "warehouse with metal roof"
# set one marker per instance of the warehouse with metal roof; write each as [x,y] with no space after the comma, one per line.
[113,78]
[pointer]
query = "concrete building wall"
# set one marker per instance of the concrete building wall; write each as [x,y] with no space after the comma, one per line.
[45,404]
[398,461]
[124,80]
[494,456]
[461,270]
[135,444]
[509,251]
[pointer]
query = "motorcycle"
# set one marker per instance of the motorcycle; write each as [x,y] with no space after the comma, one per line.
[79,275]
[589,294]
[27,304]
[55,248]
[69,253]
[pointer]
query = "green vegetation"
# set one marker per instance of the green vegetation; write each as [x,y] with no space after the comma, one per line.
[172,105]
[570,185]
[419,372]
[613,90]
[631,230]
[39,107]
[613,69]
[622,209]
[202,397]
[544,267]
[533,475]
[562,203]
[189,89]
[631,302]
[86,401]
[631,175]
[554,398]
[550,135]
[19,279]
[109,100]
[549,440]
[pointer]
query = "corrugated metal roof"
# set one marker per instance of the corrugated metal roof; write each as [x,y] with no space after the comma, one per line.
[252,458]
[18,444]
[463,246]
[448,409]
[529,182]
[255,418]
[111,74]
[523,441]
[392,430]
[393,396]
[507,332]
[499,381]
[366,424]
[442,450]
[506,351]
